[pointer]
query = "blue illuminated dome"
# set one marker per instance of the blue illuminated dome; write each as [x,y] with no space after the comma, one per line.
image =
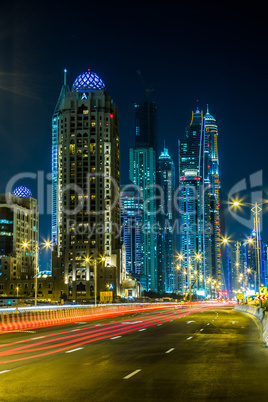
[22,191]
[88,81]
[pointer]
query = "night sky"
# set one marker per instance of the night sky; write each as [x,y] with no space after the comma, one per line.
[195,53]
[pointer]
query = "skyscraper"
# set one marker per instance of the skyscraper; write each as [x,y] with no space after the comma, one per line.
[192,206]
[166,219]
[86,188]
[213,191]
[131,229]
[146,125]
[142,172]
[199,204]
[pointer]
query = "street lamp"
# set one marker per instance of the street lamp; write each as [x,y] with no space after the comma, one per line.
[36,251]
[256,209]
[199,276]
[94,259]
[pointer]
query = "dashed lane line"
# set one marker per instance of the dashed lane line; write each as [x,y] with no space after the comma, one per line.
[170,350]
[73,350]
[131,374]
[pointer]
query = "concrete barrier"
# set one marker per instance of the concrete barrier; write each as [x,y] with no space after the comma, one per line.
[258,313]
[19,320]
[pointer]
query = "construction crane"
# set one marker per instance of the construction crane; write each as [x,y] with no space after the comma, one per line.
[148,90]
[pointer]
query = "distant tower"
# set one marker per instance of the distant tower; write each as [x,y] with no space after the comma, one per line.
[212,173]
[166,219]
[192,206]
[200,203]
[142,172]
[86,188]
[131,229]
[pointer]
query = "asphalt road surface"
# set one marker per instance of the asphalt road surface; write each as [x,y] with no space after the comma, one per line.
[181,354]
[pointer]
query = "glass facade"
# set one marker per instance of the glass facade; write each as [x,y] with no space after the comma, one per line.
[200,205]
[166,219]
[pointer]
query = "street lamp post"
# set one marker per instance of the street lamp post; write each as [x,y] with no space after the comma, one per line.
[36,273]
[228,285]
[36,251]
[256,209]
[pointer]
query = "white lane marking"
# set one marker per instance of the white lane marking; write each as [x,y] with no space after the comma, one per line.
[135,322]
[208,323]
[4,371]
[143,329]
[73,350]
[39,337]
[188,322]
[190,337]
[159,325]
[131,374]
[170,320]
[97,325]
[75,329]
[170,350]
[234,322]
[115,337]
[81,322]
[201,329]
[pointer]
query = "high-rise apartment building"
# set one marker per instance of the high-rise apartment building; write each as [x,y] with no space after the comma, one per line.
[143,174]
[86,188]
[18,235]
[131,230]
[166,219]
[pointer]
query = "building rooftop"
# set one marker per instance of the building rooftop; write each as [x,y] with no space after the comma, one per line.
[88,81]
[22,192]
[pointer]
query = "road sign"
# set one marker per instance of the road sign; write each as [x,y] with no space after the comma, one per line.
[240,296]
[263,297]
[263,290]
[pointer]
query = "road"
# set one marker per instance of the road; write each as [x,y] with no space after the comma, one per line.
[181,354]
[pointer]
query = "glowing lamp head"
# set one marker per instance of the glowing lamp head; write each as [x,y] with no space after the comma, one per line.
[236,203]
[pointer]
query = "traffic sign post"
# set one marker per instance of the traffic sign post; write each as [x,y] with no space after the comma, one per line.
[263,290]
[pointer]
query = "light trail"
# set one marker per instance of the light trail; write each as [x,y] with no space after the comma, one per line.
[94,334]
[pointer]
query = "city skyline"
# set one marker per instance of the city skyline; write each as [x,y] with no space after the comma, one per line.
[236,92]
[133,201]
